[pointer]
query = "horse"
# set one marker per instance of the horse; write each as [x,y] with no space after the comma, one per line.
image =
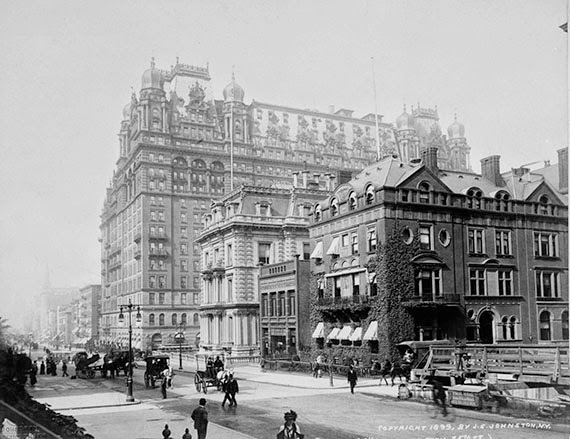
[394,370]
[222,378]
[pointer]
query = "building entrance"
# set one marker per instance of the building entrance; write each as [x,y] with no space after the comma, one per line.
[486,327]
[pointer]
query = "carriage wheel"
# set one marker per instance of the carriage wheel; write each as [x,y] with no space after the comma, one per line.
[197,383]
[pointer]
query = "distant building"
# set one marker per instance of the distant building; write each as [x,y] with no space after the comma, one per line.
[87,316]
[417,252]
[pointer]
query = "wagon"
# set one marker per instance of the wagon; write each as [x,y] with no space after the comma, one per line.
[155,365]
[206,375]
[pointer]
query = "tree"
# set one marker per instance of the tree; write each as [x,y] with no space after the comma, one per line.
[4,328]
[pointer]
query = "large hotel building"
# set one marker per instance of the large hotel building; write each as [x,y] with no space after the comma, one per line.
[180,149]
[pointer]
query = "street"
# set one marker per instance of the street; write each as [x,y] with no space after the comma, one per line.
[325,413]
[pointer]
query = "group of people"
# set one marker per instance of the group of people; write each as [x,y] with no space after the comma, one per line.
[200,418]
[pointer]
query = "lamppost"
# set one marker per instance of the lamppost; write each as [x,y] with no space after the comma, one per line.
[130,307]
[179,338]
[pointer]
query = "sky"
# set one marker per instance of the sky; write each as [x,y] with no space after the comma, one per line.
[69,67]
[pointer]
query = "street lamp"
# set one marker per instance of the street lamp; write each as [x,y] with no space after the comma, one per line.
[179,338]
[130,307]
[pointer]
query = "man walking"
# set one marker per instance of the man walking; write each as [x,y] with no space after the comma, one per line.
[231,388]
[200,418]
[64,368]
[352,378]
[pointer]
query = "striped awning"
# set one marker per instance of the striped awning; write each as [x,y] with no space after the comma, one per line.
[334,248]
[346,271]
[333,334]
[318,251]
[345,333]
[319,331]
[372,331]
[356,335]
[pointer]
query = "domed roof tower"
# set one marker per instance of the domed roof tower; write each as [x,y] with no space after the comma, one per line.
[456,130]
[233,92]
[405,121]
[152,78]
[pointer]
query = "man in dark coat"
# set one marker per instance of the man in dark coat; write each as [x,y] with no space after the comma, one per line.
[352,378]
[231,388]
[200,418]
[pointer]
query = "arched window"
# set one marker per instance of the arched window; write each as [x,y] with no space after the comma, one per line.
[513,327]
[318,213]
[501,197]
[474,199]
[174,319]
[161,320]
[505,324]
[565,325]
[196,319]
[156,120]
[424,188]
[352,202]
[543,207]
[183,319]
[151,320]
[369,195]
[544,321]
[334,207]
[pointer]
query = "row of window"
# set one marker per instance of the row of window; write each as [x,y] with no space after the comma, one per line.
[173,319]
[278,304]
[545,325]
[152,298]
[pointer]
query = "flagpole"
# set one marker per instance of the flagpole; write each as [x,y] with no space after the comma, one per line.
[232,132]
[379,155]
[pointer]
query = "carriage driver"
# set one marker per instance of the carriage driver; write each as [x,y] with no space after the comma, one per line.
[210,372]
[218,364]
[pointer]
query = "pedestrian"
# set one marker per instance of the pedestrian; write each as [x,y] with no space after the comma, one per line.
[163,385]
[64,369]
[42,368]
[186,434]
[33,373]
[200,418]
[231,388]
[352,378]
[166,432]
[290,429]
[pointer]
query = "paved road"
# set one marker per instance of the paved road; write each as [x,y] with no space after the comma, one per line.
[323,413]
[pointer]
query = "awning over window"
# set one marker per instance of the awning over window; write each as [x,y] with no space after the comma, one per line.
[371,277]
[356,335]
[319,331]
[372,331]
[318,251]
[334,248]
[137,344]
[345,333]
[334,334]
[345,272]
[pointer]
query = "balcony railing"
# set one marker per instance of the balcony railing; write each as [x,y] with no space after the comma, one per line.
[157,235]
[344,300]
[442,299]
[160,252]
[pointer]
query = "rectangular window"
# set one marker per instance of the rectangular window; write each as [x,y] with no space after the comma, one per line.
[230,255]
[230,290]
[337,286]
[152,282]
[545,244]
[183,217]
[371,241]
[264,306]
[354,244]
[183,248]
[151,298]
[184,282]
[183,298]
[356,284]
[476,240]
[161,282]
[477,282]
[428,283]
[503,243]
[292,311]
[183,265]
[306,251]
[273,308]
[547,284]
[425,237]
[161,298]
[344,242]
[505,283]
[263,253]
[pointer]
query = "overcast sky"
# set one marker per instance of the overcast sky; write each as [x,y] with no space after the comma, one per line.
[68,69]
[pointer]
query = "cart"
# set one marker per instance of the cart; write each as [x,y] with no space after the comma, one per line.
[206,375]
[155,365]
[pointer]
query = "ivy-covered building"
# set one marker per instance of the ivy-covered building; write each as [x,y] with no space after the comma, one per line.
[411,251]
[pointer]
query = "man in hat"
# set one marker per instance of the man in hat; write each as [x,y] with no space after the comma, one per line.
[200,418]
[290,429]
[231,388]
[352,378]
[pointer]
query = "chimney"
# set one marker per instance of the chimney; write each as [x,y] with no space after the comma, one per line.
[295,179]
[491,170]
[563,170]
[429,157]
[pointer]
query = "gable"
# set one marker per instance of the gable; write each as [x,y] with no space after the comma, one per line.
[544,189]
[423,174]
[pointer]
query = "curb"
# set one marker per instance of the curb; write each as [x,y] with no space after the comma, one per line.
[96,406]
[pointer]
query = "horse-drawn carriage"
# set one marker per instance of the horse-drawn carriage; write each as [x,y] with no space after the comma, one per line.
[155,366]
[209,373]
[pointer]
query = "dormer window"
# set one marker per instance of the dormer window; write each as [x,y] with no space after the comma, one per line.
[474,199]
[424,188]
[369,196]
[334,207]
[543,207]
[318,213]
[352,203]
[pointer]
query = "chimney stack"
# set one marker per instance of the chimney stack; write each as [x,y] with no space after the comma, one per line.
[305,177]
[563,170]
[295,179]
[429,157]
[491,170]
